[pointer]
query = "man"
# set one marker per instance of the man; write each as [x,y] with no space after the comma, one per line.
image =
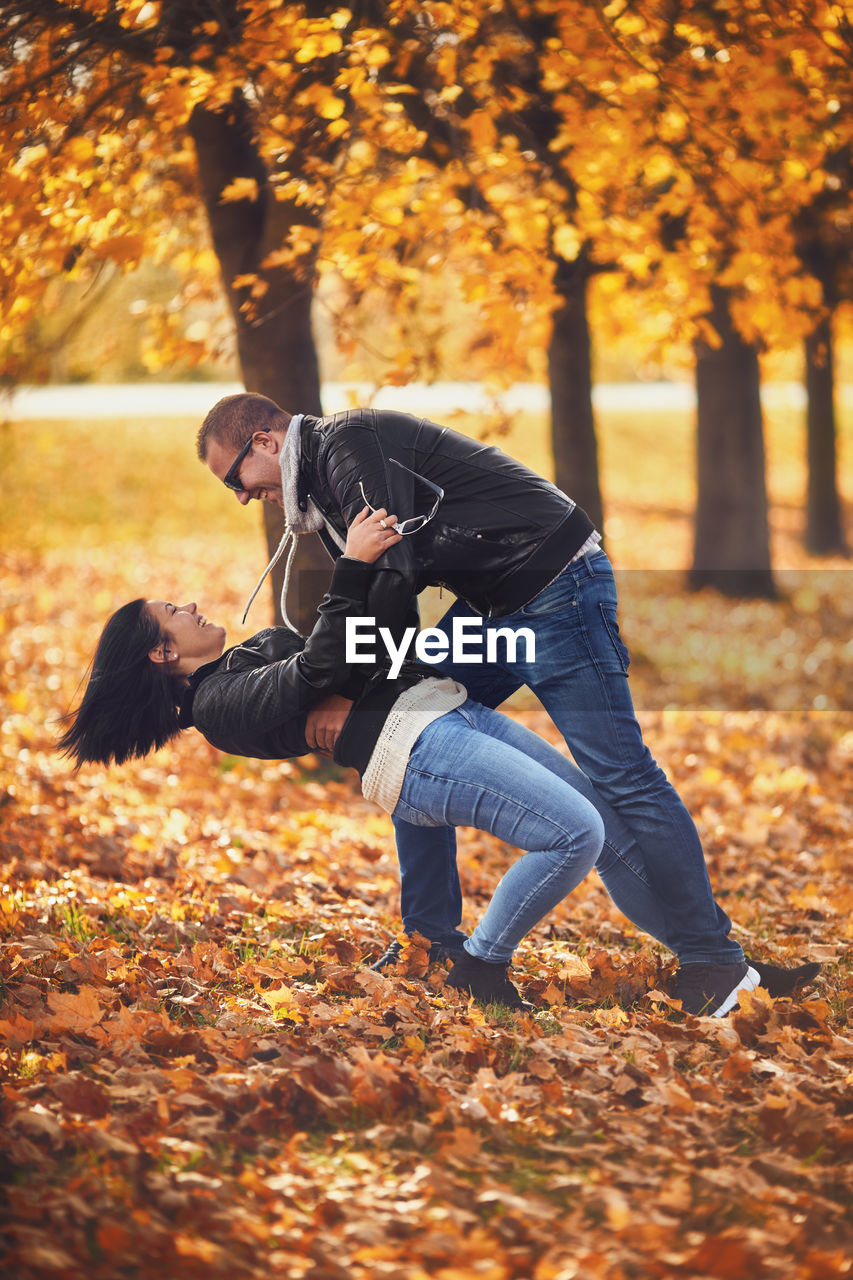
[518,554]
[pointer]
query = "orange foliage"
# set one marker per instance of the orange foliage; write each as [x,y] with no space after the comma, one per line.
[467,140]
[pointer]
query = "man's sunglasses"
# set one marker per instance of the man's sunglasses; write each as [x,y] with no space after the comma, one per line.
[232,475]
[414,523]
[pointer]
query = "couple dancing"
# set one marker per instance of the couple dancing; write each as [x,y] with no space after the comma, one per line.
[401,503]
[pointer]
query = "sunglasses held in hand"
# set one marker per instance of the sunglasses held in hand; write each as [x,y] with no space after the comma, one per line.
[414,523]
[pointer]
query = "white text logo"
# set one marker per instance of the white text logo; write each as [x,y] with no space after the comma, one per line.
[433,646]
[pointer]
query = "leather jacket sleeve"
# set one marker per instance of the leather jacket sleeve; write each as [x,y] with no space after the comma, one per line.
[259,685]
[358,473]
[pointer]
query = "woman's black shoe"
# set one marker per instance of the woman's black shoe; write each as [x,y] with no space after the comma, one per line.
[485,981]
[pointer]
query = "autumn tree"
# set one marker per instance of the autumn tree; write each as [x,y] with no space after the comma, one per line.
[97,104]
[824,241]
[731,548]
[587,134]
[525,147]
[739,134]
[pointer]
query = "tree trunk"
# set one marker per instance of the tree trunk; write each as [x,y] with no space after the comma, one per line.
[824,526]
[732,539]
[275,342]
[570,377]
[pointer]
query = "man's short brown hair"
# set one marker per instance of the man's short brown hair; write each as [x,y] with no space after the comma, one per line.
[233,419]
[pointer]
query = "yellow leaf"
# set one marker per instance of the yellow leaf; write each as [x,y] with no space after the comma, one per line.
[196,1247]
[573,966]
[320,45]
[278,258]
[567,242]
[377,56]
[81,149]
[447,64]
[240,189]
[617,1208]
[332,108]
[611,1017]
[278,996]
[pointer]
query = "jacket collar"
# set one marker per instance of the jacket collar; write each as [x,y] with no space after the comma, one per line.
[306,462]
[185,706]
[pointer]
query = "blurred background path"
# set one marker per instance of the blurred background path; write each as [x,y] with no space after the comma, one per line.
[87,400]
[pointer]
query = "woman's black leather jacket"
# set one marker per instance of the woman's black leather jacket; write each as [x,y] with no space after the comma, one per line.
[254,700]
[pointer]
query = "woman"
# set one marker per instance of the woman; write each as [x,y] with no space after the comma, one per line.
[425,751]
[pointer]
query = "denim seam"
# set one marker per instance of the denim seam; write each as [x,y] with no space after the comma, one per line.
[602,683]
[456,782]
[618,644]
[628,865]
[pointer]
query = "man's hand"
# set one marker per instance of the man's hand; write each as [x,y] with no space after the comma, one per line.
[325,722]
[370,534]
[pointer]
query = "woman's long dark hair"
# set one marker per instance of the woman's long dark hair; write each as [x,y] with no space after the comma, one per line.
[130,704]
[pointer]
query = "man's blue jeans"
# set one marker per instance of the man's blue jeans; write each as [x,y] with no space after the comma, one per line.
[469,769]
[580,674]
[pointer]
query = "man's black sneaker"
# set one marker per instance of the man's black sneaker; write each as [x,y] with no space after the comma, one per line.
[711,990]
[485,981]
[783,982]
[437,953]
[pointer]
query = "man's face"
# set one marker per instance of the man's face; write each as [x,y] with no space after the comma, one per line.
[259,472]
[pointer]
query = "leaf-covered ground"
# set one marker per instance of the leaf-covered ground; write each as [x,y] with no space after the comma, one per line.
[200,1075]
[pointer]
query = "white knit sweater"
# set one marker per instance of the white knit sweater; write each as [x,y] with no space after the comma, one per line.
[411,713]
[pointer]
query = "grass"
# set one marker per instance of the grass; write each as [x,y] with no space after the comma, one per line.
[140,480]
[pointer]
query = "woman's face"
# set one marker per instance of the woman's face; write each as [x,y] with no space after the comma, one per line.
[190,639]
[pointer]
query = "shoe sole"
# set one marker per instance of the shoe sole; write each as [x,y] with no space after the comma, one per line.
[748,982]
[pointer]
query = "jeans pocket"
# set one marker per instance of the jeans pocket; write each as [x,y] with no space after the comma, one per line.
[405,813]
[558,595]
[611,626]
[465,712]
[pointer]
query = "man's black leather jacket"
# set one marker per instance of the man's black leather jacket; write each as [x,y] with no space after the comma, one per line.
[254,700]
[501,532]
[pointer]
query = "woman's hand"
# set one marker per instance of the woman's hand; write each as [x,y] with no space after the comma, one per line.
[370,534]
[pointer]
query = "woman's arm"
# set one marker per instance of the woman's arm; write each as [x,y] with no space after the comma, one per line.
[248,695]
[356,469]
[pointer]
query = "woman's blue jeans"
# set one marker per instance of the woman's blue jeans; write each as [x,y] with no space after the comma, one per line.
[652,865]
[469,769]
